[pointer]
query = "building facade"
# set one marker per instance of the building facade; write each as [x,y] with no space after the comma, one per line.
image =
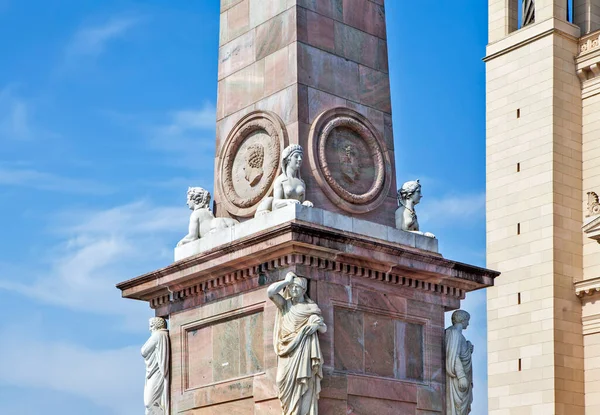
[543,216]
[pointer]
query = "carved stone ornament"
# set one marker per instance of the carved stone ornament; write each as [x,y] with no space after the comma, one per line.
[249,161]
[296,343]
[350,160]
[593,205]
[157,355]
[459,366]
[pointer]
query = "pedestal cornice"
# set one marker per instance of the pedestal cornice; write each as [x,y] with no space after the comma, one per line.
[240,266]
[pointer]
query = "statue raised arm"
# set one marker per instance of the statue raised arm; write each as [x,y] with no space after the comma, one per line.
[300,361]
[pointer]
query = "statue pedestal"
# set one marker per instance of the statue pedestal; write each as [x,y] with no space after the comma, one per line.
[383,303]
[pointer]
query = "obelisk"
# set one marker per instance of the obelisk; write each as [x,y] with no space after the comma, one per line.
[305,67]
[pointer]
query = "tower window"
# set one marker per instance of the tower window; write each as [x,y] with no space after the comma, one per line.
[518,167]
[518,112]
[518,229]
[519,298]
[520,367]
[526,10]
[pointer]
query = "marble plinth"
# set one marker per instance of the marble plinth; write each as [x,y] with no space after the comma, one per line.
[383,301]
[315,216]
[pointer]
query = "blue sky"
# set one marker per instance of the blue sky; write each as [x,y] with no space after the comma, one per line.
[107,115]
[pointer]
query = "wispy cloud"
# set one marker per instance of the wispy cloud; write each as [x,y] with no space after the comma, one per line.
[189,120]
[92,40]
[186,131]
[112,379]
[97,249]
[451,210]
[15,114]
[185,137]
[35,179]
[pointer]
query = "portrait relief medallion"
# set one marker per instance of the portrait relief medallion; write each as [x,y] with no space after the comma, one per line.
[249,161]
[349,159]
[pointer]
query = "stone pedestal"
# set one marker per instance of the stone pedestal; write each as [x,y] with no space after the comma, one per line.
[383,294]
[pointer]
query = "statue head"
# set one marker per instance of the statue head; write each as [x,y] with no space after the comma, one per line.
[297,288]
[410,191]
[197,198]
[157,323]
[292,157]
[349,162]
[255,158]
[461,317]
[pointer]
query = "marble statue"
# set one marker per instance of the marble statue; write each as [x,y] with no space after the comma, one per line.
[300,361]
[409,195]
[459,370]
[528,12]
[156,354]
[289,188]
[202,220]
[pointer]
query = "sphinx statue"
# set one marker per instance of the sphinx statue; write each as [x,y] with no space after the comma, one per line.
[409,195]
[289,188]
[300,361]
[156,353]
[459,369]
[202,220]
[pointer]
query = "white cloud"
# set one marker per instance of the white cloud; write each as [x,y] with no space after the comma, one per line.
[183,121]
[31,178]
[97,249]
[112,379]
[92,40]
[451,210]
[15,114]
[188,134]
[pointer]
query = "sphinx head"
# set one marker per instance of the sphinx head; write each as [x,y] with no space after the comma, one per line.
[410,191]
[292,157]
[197,198]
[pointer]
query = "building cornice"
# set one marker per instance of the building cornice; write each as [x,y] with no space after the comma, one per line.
[529,34]
[588,287]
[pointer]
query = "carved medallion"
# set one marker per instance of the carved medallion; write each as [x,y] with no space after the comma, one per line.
[350,160]
[249,161]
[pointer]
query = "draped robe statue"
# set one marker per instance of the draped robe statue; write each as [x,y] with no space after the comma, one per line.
[300,362]
[459,370]
[156,354]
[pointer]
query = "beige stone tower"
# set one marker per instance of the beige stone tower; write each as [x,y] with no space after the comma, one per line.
[543,156]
